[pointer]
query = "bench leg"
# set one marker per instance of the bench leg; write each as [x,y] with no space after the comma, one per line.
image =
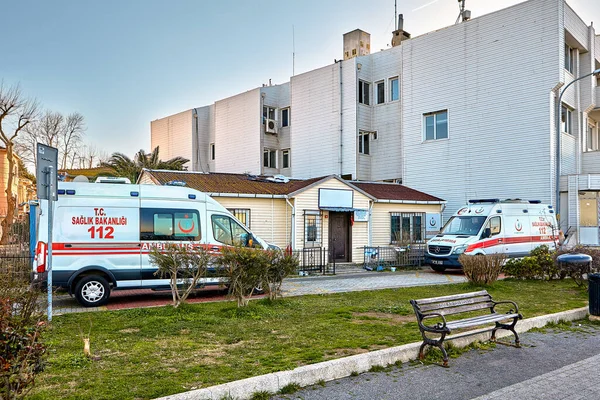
[437,343]
[511,328]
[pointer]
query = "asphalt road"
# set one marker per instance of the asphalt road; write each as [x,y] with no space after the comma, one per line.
[557,364]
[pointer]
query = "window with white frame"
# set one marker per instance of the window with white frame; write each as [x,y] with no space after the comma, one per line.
[312,227]
[212,151]
[394,89]
[407,228]
[285,158]
[363,142]
[380,98]
[566,118]
[435,125]
[268,113]
[593,138]
[364,90]
[569,58]
[285,117]
[242,215]
[270,158]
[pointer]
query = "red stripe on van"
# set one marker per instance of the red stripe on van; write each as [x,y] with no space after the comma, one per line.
[512,240]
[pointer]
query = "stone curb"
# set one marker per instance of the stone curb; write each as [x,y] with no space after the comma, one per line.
[342,367]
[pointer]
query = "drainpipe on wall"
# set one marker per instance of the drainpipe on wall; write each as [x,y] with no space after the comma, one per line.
[341,120]
[370,224]
[293,227]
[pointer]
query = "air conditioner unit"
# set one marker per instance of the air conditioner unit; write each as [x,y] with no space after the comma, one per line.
[271,126]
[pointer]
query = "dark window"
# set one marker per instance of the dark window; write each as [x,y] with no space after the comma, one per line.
[380,93]
[285,117]
[212,151]
[268,112]
[566,117]
[569,58]
[270,158]
[364,89]
[407,228]
[169,224]
[312,226]
[363,143]
[286,158]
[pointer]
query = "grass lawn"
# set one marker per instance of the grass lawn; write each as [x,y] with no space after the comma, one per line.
[153,352]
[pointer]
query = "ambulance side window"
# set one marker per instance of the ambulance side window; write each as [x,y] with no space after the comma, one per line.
[169,224]
[495,225]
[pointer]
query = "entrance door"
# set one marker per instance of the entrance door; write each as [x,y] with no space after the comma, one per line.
[339,237]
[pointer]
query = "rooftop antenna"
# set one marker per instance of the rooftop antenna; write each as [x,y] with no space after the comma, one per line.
[396,14]
[463,14]
[293,52]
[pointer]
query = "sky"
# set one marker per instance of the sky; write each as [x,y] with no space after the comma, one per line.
[124,63]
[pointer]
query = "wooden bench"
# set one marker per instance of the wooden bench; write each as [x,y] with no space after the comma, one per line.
[437,308]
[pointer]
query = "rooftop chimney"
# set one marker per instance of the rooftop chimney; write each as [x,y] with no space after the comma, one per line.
[356,43]
[399,34]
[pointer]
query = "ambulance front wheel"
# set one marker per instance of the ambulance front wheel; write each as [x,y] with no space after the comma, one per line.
[437,268]
[92,291]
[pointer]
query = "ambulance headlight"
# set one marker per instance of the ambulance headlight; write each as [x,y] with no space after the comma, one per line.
[460,249]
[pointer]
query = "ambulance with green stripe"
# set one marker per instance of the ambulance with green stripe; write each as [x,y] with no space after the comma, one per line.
[487,226]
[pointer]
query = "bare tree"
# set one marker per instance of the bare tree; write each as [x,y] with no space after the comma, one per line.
[90,157]
[56,130]
[71,135]
[16,113]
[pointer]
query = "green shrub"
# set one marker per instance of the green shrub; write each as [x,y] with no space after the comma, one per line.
[245,269]
[21,327]
[183,265]
[278,266]
[482,269]
[539,264]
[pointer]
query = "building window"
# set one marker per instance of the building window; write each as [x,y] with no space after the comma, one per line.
[168,224]
[569,58]
[285,117]
[436,125]
[364,89]
[270,158]
[593,142]
[285,155]
[268,113]
[212,151]
[242,214]
[566,117]
[363,142]
[407,228]
[380,92]
[394,89]
[312,227]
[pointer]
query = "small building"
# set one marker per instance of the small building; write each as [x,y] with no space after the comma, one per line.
[325,212]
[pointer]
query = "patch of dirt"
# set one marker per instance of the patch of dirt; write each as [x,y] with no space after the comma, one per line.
[129,330]
[383,317]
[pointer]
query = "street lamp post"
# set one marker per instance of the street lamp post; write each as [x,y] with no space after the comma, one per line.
[558,113]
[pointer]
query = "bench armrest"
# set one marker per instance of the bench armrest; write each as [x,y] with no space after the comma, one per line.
[506,302]
[439,327]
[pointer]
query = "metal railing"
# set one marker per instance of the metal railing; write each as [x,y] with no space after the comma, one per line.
[382,257]
[314,260]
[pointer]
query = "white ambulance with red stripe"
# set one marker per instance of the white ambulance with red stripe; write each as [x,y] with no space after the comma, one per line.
[103,234]
[487,226]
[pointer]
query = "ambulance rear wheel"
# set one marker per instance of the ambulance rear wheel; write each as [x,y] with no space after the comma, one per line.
[92,291]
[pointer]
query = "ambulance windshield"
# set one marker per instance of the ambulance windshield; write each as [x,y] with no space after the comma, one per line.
[459,225]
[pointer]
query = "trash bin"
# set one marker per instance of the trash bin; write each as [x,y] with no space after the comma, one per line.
[594,293]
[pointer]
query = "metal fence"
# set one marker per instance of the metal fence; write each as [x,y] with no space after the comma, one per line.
[380,257]
[314,260]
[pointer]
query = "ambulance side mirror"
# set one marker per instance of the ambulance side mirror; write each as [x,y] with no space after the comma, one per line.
[487,232]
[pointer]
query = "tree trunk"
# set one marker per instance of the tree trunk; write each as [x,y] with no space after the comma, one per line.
[11,201]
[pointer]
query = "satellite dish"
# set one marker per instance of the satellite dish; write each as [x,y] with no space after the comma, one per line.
[81,178]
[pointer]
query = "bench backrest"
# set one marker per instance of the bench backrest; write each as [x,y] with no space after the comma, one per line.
[453,304]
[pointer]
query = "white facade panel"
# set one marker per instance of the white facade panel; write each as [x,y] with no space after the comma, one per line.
[174,137]
[497,125]
[237,133]
[576,27]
